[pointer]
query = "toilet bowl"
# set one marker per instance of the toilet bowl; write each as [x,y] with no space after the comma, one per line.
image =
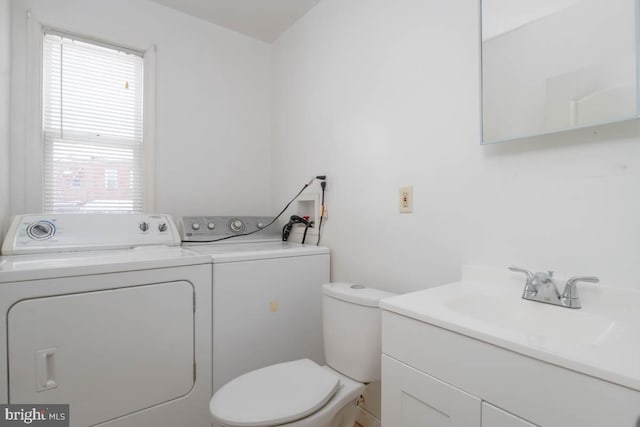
[302,393]
[297,394]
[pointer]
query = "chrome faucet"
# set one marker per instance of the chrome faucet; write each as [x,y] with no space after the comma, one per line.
[541,287]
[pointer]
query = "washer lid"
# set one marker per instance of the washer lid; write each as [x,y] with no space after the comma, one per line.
[274,395]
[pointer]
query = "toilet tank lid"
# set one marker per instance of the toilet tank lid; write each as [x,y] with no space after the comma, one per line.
[355,294]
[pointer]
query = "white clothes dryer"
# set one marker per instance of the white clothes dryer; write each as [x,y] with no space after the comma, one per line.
[267,294]
[108,314]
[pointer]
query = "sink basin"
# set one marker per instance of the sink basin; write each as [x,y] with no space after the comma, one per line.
[602,339]
[538,325]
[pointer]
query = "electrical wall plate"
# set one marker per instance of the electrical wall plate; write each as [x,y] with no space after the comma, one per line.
[406,199]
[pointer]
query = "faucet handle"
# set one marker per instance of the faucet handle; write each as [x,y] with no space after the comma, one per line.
[523,271]
[570,294]
[589,279]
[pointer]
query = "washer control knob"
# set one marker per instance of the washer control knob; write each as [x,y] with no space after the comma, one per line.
[236,225]
[162,227]
[211,226]
[144,226]
[195,226]
[260,225]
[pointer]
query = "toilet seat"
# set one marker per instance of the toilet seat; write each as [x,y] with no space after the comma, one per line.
[274,395]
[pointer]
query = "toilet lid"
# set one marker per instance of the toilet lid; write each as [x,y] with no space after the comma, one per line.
[274,395]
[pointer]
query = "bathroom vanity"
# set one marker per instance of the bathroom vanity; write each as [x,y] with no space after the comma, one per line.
[474,353]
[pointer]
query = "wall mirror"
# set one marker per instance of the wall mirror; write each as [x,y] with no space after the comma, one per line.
[555,65]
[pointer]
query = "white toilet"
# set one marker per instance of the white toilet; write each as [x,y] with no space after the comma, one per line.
[302,393]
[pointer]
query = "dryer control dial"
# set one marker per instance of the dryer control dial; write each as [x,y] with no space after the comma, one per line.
[41,230]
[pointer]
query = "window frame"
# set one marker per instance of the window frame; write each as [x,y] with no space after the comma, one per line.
[33,153]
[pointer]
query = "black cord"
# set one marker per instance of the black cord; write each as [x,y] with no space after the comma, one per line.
[295,219]
[323,184]
[286,230]
[260,229]
[306,228]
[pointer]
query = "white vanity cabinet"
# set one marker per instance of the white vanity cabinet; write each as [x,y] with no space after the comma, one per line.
[412,398]
[433,377]
[496,417]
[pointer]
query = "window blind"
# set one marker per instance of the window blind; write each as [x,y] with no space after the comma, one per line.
[92,127]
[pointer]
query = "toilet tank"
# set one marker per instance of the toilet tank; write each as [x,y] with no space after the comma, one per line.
[352,329]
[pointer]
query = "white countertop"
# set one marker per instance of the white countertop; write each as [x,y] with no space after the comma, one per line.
[602,339]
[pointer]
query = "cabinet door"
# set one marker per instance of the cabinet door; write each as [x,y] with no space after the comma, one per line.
[495,417]
[411,398]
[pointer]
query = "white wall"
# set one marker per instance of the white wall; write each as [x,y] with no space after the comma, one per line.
[5,98]
[376,94]
[213,125]
[380,94]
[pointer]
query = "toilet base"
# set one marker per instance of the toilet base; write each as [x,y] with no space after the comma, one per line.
[346,417]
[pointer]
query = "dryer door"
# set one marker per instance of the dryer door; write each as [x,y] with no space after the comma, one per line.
[107,353]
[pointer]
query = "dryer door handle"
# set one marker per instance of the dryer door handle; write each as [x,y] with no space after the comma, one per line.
[45,369]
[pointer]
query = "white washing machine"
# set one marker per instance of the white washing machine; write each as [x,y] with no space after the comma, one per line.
[267,300]
[106,313]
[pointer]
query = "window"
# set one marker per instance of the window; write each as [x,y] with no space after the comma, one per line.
[92,126]
[111,179]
